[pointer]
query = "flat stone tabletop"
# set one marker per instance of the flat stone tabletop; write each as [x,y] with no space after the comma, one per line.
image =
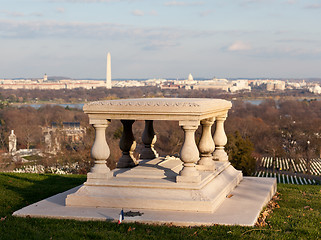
[157,108]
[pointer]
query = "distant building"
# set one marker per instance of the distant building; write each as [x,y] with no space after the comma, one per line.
[316,89]
[40,84]
[239,85]
[270,86]
[275,85]
[73,132]
[215,83]
[170,86]
[279,85]
[70,132]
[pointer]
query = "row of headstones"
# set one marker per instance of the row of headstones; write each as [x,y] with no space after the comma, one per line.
[316,166]
[286,163]
[41,169]
[288,179]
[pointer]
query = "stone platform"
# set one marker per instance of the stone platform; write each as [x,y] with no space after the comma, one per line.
[241,207]
[152,185]
[199,188]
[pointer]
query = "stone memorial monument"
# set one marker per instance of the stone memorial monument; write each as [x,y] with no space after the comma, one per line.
[158,183]
[12,143]
[200,187]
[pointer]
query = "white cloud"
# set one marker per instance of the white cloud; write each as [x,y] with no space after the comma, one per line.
[60,10]
[13,14]
[290,2]
[153,13]
[85,1]
[251,2]
[255,1]
[206,13]
[313,6]
[21,14]
[37,14]
[60,29]
[91,1]
[145,37]
[183,3]
[239,46]
[174,3]
[297,40]
[138,13]
[285,52]
[159,44]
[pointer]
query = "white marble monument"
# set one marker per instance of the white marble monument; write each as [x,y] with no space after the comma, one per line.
[189,190]
[12,143]
[197,181]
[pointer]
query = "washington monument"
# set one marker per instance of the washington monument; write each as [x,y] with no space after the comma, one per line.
[108,73]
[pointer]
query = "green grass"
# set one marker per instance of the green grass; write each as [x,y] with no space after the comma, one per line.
[298,217]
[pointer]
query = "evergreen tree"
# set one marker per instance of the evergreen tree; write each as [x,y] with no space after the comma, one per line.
[240,153]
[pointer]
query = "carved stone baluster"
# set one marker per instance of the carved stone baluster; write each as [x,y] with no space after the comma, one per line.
[127,144]
[100,152]
[149,139]
[189,153]
[206,146]
[220,140]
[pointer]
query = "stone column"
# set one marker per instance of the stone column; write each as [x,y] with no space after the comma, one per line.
[100,152]
[220,139]
[149,139]
[189,153]
[127,144]
[206,146]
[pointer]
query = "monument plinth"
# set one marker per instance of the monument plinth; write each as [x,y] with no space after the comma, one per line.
[189,190]
[178,184]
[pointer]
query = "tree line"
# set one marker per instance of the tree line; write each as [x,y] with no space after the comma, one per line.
[273,128]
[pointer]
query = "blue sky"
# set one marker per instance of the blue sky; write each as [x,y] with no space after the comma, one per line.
[161,38]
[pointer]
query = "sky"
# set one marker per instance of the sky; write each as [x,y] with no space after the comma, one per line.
[160,38]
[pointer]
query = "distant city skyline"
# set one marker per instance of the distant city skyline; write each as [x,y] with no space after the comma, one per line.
[160,39]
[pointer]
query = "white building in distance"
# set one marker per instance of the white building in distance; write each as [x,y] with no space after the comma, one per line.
[316,89]
[275,85]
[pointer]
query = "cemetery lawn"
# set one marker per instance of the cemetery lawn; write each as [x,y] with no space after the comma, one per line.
[298,217]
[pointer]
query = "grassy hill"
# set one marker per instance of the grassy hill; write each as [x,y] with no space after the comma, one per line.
[296,215]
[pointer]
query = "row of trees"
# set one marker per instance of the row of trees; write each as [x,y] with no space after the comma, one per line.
[27,122]
[82,95]
[76,95]
[279,128]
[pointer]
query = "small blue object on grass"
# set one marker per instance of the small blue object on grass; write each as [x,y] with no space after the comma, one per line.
[121,216]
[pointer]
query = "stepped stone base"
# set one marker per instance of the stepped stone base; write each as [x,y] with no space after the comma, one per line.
[241,207]
[221,197]
[152,185]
